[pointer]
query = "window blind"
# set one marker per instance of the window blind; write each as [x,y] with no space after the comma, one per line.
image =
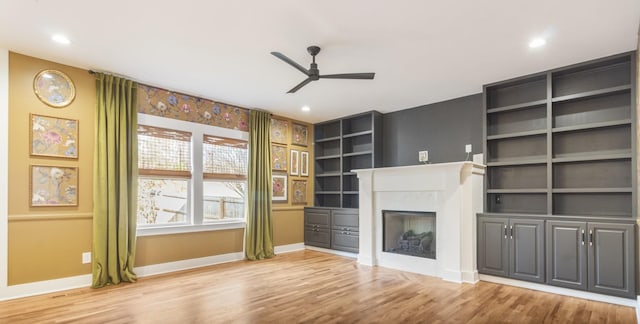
[224,158]
[164,152]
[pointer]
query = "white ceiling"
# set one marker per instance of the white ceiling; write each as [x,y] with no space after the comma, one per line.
[422,51]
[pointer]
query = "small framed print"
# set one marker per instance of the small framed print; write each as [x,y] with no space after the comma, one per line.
[53,136]
[53,186]
[295,162]
[279,190]
[300,135]
[299,192]
[278,158]
[304,163]
[54,88]
[279,130]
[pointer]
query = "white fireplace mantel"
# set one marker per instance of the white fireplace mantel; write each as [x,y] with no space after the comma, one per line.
[452,190]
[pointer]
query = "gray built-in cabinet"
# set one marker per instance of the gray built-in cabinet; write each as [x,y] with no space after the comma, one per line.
[560,147]
[332,228]
[341,145]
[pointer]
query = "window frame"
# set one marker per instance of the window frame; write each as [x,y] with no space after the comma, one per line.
[196,190]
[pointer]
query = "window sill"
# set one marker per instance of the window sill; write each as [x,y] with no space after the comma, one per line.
[165,230]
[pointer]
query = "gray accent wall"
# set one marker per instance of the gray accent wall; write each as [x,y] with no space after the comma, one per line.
[441,128]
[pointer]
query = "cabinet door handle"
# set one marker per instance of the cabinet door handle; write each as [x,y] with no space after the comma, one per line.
[582,237]
[590,237]
[505,231]
[511,232]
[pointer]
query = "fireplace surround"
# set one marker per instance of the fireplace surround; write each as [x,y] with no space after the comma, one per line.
[453,191]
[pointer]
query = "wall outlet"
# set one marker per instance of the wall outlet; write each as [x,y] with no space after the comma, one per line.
[423,156]
[467,148]
[86,257]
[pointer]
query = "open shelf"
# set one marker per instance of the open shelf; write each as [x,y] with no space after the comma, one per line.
[561,142]
[349,143]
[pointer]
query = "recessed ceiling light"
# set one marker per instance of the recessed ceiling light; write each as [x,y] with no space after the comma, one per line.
[306,108]
[60,39]
[537,42]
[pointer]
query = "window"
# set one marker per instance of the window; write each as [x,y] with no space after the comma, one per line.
[191,176]
[225,178]
[164,166]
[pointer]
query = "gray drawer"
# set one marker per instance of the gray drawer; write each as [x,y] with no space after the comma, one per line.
[317,217]
[345,241]
[342,220]
[320,238]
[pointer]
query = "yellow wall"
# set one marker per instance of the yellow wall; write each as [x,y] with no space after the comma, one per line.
[47,242]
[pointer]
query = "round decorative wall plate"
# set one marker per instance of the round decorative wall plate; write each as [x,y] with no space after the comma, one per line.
[54,88]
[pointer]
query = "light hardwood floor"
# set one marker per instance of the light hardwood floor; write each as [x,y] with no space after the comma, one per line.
[306,287]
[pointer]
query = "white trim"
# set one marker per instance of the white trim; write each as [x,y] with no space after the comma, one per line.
[161,268]
[330,251]
[4,168]
[164,230]
[289,248]
[638,310]
[561,291]
[45,287]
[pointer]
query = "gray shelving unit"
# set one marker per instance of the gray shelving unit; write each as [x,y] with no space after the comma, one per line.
[560,146]
[342,145]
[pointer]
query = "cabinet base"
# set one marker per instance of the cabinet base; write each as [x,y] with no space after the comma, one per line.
[561,291]
[336,252]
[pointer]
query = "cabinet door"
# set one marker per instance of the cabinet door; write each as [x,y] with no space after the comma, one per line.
[317,231]
[345,219]
[611,255]
[492,246]
[345,241]
[526,249]
[566,254]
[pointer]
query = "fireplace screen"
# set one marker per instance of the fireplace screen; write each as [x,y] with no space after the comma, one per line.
[409,233]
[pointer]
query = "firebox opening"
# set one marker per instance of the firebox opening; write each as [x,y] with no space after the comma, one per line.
[409,232]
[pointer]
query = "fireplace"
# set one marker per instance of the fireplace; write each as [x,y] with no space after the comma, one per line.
[409,233]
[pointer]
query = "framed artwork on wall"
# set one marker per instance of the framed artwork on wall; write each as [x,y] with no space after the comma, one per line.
[300,135]
[295,157]
[54,88]
[279,130]
[53,136]
[299,191]
[304,163]
[279,182]
[53,186]
[278,158]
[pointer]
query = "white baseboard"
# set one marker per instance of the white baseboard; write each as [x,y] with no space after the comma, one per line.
[561,291]
[45,287]
[161,268]
[289,248]
[49,286]
[336,252]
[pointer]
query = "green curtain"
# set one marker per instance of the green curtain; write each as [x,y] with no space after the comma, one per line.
[259,231]
[114,181]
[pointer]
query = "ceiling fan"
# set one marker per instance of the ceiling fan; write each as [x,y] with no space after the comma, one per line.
[313,74]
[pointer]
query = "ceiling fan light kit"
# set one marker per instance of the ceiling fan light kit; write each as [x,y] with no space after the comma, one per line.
[313,74]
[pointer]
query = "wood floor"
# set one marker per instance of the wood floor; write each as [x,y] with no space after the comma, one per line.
[306,287]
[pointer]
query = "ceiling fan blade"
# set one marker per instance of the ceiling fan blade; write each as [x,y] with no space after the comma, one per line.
[302,84]
[290,62]
[365,76]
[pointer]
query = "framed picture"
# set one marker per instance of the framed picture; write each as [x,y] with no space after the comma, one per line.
[279,130]
[300,135]
[53,136]
[299,191]
[53,186]
[54,88]
[295,157]
[278,158]
[279,187]
[304,163]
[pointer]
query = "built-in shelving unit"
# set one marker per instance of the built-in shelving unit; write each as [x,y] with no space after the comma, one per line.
[560,149]
[343,145]
[561,142]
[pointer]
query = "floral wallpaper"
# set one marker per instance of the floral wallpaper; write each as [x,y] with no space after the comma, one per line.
[165,103]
